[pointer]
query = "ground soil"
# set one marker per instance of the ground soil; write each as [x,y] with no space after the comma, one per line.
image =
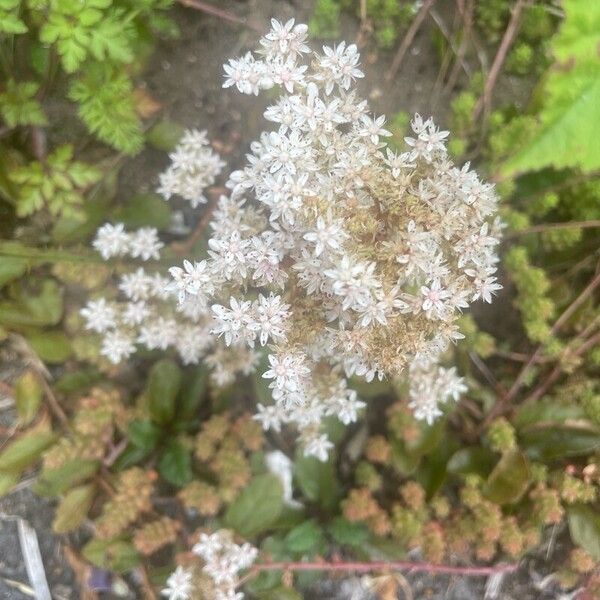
[185,76]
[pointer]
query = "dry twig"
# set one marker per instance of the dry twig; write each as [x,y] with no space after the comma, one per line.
[557,371]
[466,11]
[453,50]
[215,11]
[505,401]
[185,246]
[407,40]
[507,38]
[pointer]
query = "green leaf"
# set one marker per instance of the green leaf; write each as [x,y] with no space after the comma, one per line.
[164,382]
[477,460]
[569,130]
[509,480]
[73,509]
[24,451]
[165,135]
[289,517]
[53,482]
[8,480]
[144,210]
[18,105]
[110,38]
[264,582]
[11,24]
[257,507]
[44,308]
[70,230]
[53,347]
[569,133]
[39,57]
[305,538]
[548,443]
[317,480]
[57,185]
[72,54]
[132,455]
[175,464]
[579,33]
[117,554]
[191,395]
[378,548]
[402,460]
[428,439]
[546,410]
[77,381]
[280,593]
[12,267]
[107,107]
[143,434]
[28,396]
[347,533]
[433,469]
[584,527]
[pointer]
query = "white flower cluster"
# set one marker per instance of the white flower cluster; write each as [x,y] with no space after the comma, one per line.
[146,314]
[194,167]
[432,386]
[113,240]
[223,560]
[362,258]
[353,261]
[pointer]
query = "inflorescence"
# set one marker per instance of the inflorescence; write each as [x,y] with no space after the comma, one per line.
[222,559]
[353,261]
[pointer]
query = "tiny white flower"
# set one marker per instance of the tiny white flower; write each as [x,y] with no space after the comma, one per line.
[112,240]
[117,346]
[319,447]
[144,243]
[99,315]
[179,585]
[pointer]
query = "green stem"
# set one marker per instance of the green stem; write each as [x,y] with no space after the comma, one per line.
[132,15]
[50,255]
[44,255]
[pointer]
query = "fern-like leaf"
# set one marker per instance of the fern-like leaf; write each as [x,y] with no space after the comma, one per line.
[57,184]
[18,105]
[106,106]
[9,17]
[91,28]
[111,38]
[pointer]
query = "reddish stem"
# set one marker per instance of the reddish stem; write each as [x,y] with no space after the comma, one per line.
[214,11]
[408,38]
[507,38]
[522,376]
[383,565]
[557,371]
[184,247]
[467,15]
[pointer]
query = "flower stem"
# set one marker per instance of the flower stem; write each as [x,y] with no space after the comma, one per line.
[383,565]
